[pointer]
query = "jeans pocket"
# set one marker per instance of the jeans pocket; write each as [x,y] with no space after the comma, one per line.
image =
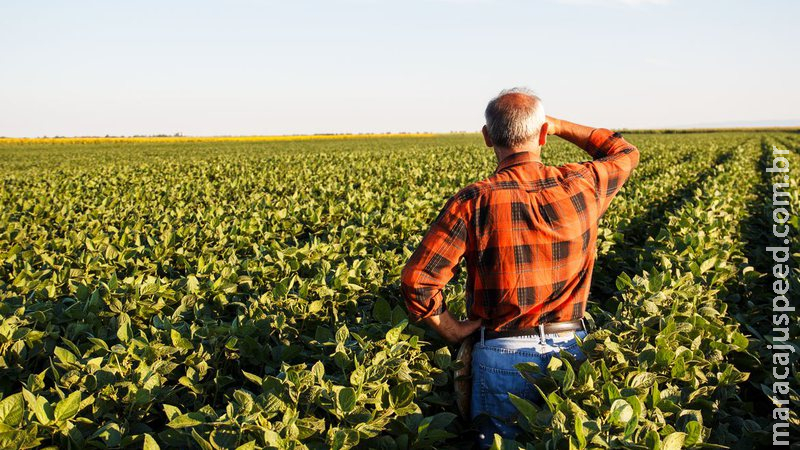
[496,385]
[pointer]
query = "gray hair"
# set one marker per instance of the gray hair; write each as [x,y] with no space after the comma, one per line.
[514,117]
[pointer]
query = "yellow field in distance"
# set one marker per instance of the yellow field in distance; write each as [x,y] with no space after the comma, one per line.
[169,139]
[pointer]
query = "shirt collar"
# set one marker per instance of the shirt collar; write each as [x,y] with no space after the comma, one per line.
[515,159]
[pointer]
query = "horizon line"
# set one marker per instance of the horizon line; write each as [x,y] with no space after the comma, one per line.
[181,136]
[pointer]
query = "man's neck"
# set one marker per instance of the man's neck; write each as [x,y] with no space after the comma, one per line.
[503,153]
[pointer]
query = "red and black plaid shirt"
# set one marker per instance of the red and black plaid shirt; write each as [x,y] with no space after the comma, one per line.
[528,235]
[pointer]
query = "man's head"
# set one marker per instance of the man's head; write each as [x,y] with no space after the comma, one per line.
[515,122]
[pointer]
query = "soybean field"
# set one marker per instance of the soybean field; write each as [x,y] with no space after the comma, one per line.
[217,294]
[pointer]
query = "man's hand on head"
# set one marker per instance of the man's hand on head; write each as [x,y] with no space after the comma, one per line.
[553,125]
[569,131]
[452,330]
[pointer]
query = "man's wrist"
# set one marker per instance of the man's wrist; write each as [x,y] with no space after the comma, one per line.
[466,330]
[557,125]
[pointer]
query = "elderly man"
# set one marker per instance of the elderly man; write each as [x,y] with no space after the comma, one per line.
[528,235]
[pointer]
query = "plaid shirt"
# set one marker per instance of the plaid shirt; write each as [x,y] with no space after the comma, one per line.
[528,234]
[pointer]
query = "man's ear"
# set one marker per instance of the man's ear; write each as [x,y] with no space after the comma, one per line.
[486,138]
[543,134]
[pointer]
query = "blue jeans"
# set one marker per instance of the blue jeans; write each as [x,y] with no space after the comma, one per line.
[494,376]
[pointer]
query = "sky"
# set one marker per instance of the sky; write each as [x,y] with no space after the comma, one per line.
[247,67]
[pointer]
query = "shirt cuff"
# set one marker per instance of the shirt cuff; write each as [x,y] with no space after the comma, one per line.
[438,306]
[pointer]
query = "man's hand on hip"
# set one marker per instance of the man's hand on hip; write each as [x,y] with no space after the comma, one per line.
[452,330]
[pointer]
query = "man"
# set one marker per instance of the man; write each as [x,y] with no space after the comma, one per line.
[528,235]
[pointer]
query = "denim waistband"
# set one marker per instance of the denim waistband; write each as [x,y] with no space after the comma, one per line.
[555,338]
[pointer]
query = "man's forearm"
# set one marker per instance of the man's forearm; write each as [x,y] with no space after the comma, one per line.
[449,328]
[569,131]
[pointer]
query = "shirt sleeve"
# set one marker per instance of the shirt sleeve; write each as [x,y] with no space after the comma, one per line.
[614,159]
[434,263]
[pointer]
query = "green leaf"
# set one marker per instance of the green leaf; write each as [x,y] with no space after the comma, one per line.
[529,370]
[693,433]
[252,377]
[442,358]
[65,355]
[708,264]
[620,412]
[179,341]
[41,409]
[346,399]
[393,335]
[655,282]
[441,420]
[315,306]
[244,399]
[223,438]
[695,269]
[673,441]
[381,311]
[569,377]
[678,368]
[655,396]
[605,372]
[68,407]
[344,439]
[192,284]
[150,443]
[12,409]
[44,411]
[740,341]
[201,441]
[402,395]
[652,440]
[526,408]
[398,315]
[171,411]
[124,330]
[580,434]
[110,434]
[643,380]
[358,376]
[318,369]
[186,420]
[611,392]
[342,334]
[498,443]
[630,426]
[624,282]
[281,289]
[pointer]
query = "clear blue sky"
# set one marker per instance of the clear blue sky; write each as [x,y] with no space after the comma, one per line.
[268,67]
